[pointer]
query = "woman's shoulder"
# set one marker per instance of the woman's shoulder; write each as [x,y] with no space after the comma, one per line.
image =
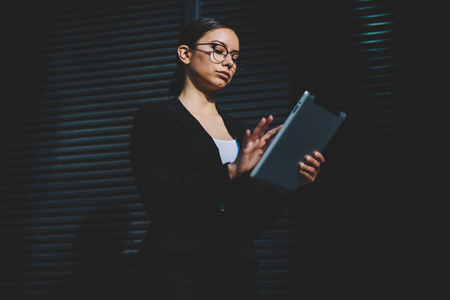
[150,114]
[156,109]
[151,107]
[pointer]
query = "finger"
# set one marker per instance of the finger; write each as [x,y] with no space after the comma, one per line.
[319,156]
[259,128]
[312,162]
[269,119]
[268,137]
[246,138]
[269,134]
[308,169]
[262,127]
[307,178]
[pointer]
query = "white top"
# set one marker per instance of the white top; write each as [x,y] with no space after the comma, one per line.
[228,150]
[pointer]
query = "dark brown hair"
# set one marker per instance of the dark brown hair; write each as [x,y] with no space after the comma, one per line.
[191,33]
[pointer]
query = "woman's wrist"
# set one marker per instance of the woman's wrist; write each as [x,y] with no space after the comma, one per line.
[233,170]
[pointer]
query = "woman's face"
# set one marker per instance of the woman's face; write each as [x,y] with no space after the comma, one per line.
[203,70]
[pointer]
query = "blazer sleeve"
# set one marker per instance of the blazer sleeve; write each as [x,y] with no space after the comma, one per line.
[164,191]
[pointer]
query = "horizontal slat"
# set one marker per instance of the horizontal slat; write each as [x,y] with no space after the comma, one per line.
[66,184]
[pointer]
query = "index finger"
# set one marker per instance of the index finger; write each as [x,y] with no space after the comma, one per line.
[262,127]
[269,134]
[319,156]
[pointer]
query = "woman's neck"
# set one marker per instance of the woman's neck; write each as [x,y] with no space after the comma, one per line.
[198,102]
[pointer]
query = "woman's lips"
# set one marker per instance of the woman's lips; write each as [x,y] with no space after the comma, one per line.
[224,75]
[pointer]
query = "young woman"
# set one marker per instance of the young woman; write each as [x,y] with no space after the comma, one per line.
[191,164]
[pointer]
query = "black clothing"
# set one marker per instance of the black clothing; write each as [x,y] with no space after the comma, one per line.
[202,223]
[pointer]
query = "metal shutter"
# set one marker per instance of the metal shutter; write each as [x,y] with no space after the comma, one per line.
[377,54]
[71,217]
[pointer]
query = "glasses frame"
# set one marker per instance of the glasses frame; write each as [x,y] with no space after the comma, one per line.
[239,67]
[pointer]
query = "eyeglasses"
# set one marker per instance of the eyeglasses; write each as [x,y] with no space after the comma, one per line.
[220,53]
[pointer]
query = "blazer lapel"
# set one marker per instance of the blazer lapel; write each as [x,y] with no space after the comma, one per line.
[236,129]
[191,124]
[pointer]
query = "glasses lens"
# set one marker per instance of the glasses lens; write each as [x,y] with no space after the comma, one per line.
[220,54]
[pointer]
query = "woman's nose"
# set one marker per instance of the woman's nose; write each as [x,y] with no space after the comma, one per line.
[228,61]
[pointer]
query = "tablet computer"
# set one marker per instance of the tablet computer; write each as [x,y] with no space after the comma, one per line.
[308,128]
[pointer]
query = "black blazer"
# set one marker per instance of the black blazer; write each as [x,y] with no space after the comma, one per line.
[186,190]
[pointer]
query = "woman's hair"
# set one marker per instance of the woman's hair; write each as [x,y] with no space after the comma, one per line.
[191,33]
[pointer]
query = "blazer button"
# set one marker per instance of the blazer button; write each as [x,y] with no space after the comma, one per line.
[221,207]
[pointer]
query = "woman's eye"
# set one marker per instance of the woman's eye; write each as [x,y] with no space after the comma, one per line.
[219,49]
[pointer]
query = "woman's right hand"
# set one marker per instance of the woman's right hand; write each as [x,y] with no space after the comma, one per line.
[253,147]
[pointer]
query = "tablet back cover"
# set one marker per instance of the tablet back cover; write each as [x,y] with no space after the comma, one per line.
[308,128]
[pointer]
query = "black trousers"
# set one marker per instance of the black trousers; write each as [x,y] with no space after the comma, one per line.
[173,282]
[176,292]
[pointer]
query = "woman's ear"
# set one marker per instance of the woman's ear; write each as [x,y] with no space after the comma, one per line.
[184,54]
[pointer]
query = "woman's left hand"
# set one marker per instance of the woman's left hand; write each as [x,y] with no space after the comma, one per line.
[311,167]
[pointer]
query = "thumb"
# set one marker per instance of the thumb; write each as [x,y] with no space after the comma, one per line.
[246,138]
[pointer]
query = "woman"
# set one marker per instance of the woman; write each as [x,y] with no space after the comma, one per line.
[191,163]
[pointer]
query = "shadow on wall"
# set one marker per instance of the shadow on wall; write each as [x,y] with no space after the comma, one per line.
[103,271]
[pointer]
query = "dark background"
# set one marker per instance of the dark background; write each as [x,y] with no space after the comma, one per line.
[373,226]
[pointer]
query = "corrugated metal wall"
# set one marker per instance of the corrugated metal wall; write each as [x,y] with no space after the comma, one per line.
[376,44]
[71,220]
[73,217]
[377,51]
